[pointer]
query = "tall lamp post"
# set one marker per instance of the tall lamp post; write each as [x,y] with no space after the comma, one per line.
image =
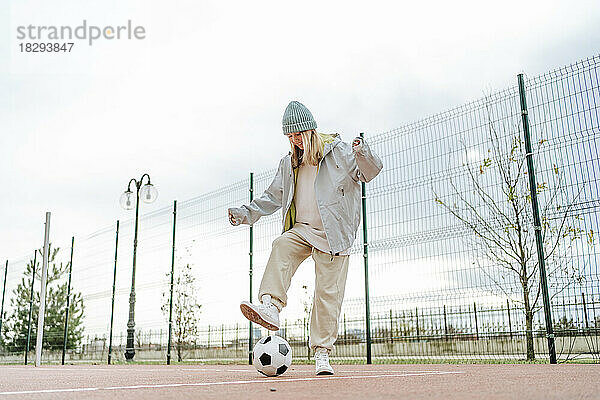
[149,195]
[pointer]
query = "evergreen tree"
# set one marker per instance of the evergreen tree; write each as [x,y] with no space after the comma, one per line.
[56,302]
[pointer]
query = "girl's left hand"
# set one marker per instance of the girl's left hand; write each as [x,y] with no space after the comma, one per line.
[357,143]
[234,219]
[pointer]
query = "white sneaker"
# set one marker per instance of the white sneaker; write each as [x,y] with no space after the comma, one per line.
[265,314]
[322,366]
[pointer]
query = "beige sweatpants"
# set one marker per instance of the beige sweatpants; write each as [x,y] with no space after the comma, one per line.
[289,250]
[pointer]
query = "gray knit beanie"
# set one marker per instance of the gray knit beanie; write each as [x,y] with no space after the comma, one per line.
[297,118]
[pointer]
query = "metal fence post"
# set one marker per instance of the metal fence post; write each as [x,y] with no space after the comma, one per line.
[42,308]
[536,221]
[366,264]
[305,338]
[65,336]
[445,324]
[391,327]
[171,288]
[112,308]
[345,331]
[3,293]
[417,321]
[585,314]
[237,339]
[476,324]
[250,333]
[509,322]
[30,306]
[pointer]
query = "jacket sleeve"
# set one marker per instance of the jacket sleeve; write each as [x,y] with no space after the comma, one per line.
[368,164]
[267,203]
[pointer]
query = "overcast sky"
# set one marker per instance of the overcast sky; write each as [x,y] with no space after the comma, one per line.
[198,103]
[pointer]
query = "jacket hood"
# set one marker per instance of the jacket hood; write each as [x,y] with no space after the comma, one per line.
[330,140]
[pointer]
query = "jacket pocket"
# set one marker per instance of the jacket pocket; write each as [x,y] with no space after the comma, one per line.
[335,196]
[339,207]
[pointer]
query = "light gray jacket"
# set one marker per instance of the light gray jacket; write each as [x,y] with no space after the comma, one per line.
[337,190]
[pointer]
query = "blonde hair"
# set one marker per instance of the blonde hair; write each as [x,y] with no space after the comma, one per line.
[313,149]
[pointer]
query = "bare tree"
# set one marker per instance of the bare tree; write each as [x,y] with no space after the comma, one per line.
[186,310]
[496,208]
[307,307]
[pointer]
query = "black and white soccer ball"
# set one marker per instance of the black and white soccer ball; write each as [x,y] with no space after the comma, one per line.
[272,355]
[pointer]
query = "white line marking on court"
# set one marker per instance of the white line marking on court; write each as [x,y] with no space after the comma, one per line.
[388,372]
[175,369]
[200,369]
[167,385]
[167,369]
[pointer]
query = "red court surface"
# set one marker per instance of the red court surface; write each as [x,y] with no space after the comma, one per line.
[350,382]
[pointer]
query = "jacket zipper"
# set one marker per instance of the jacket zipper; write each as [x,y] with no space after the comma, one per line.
[318,206]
